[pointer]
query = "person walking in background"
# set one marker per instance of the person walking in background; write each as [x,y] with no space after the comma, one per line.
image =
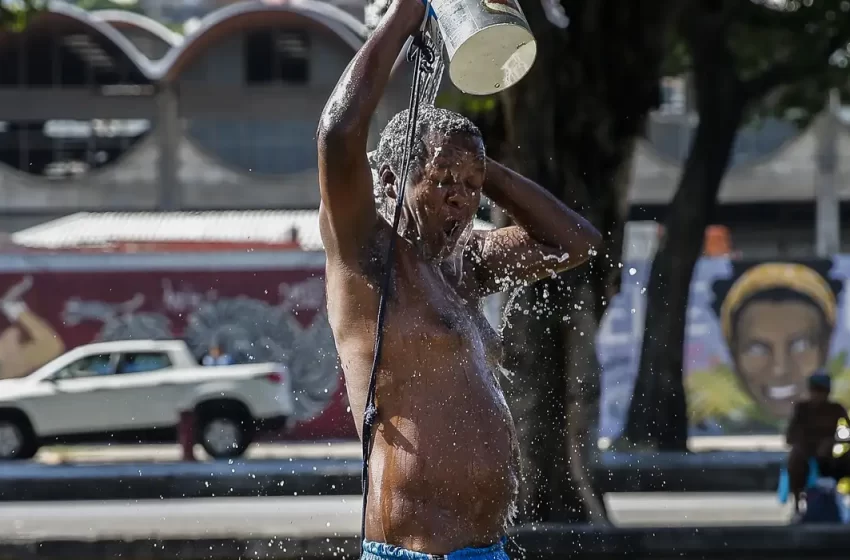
[811,433]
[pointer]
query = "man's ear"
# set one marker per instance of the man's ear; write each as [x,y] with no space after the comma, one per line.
[388,179]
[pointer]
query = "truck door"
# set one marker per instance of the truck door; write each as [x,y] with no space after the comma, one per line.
[148,379]
[76,403]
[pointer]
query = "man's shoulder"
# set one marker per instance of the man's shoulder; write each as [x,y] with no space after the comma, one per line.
[800,407]
[347,241]
[838,408]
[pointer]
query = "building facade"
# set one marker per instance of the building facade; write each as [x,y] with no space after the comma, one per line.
[112,111]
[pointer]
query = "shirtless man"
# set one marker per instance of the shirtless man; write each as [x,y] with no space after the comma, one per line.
[444,470]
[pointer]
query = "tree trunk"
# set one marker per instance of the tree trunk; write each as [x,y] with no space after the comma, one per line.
[572,123]
[658,410]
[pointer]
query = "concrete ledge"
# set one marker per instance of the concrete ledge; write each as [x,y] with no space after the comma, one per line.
[551,541]
[715,471]
[710,543]
[31,482]
[632,472]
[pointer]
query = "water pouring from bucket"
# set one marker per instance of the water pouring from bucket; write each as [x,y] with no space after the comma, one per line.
[489,44]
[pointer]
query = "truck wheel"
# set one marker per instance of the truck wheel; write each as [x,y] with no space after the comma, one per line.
[17,440]
[225,431]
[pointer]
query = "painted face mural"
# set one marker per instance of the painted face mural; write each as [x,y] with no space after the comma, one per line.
[777,320]
[754,332]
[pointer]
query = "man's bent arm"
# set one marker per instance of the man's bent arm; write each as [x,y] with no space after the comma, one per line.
[348,206]
[548,237]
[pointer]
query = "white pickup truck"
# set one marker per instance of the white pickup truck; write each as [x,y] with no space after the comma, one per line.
[135,391]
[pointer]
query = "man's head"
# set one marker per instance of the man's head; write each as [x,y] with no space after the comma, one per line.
[820,386]
[444,180]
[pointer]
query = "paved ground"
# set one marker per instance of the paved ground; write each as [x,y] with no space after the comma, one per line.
[327,516]
[168,453]
[335,450]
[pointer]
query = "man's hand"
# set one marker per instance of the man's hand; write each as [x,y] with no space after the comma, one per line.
[415,11]
[376,10]
[11,304]
[17,291]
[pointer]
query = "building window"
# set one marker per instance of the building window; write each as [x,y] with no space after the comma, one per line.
[266,147]
[277,56]
[64,149]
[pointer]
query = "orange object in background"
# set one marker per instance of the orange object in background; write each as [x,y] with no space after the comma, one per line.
[718,241]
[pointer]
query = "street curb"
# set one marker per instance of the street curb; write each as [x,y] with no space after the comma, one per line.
[541,542]
[695,472]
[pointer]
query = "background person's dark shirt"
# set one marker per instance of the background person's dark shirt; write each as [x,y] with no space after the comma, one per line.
[813,423]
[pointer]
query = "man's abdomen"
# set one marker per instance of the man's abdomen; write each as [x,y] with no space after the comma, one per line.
[444,474]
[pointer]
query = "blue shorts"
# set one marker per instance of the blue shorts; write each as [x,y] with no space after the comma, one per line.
[384,551]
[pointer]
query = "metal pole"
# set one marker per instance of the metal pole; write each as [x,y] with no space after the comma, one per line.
[168,134]
[827,205]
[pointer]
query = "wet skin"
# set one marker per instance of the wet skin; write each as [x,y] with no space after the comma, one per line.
[444,471]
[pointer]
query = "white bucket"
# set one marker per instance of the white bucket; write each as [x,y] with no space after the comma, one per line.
[489,44]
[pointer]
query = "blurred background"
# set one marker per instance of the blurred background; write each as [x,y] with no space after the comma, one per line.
[158,210]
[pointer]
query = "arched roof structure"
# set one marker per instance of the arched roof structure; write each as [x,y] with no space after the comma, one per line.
[206,181]
[247,16]
[122,19]
[65,19]
[234,18]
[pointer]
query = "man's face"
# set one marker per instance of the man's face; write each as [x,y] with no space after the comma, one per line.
[778,345]
[445,193]
[818,395]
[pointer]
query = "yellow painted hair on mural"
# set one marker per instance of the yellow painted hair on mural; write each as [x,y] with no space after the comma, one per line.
[768,276]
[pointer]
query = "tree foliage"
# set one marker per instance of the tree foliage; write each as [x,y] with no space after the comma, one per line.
[571,125]
[14,16]
[747,58]
[93,5]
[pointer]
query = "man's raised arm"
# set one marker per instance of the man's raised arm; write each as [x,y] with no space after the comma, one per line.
[347,214]
[548,237]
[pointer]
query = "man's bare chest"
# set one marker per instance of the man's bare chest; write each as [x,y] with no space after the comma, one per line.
[424,311]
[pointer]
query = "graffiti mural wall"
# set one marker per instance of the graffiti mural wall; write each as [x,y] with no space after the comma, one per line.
[255,315]
[755,331]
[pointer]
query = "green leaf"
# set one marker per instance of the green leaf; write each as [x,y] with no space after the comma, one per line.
[836,365]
